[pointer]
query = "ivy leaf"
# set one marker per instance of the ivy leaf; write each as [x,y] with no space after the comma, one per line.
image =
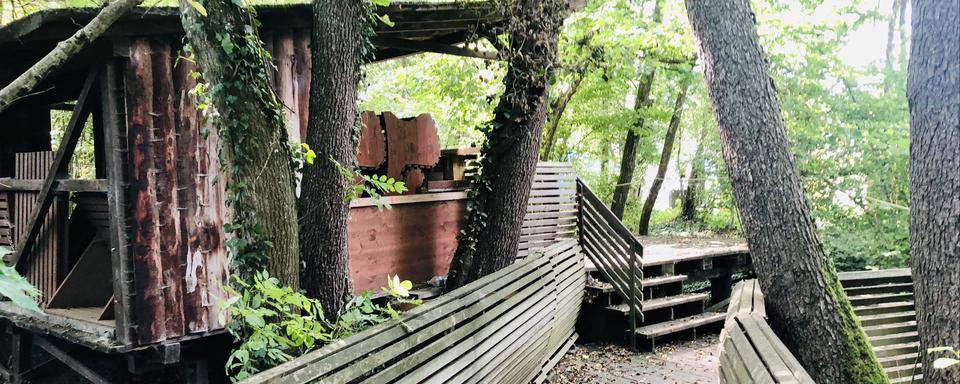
[944,362]
[381,3]
[385,19]
[199,7]
[15,287]
[227,45]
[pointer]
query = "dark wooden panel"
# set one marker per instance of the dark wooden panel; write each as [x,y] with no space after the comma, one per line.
[44,265]
[372,151]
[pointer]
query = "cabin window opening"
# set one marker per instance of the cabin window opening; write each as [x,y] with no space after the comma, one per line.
[83,163]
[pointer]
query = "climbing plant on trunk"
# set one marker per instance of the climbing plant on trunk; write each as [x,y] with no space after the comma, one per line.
[933,93]
[338,50]
[254,152]
[498,197]
[805,302]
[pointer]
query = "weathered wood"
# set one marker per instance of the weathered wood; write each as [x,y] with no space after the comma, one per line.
[89,283]
[411,144]
[286,81]
[372,150]
[148,267]
[187,121]
[59,185]
[70,361]
[164,143]
[414,46]
[71,136]
[115,142]
[505,327]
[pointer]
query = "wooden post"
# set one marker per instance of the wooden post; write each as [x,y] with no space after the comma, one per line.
[115,147]
[70,361]
[70,137]
[633,293]
[19,353]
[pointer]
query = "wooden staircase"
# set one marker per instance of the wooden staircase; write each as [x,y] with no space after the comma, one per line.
[618,277]
[883,301]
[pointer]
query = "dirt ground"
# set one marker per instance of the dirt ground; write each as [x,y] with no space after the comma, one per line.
[683,362]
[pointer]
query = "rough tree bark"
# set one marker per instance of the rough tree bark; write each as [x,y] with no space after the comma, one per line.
[933,93]
[557,108]
[66,49]
[805,302]
[664,156]
[628,161]
[691,197]
[254,140]
[499,195]
[333,118]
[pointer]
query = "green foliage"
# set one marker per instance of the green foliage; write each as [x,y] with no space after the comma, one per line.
[272,324]
[15,287]
[374,186]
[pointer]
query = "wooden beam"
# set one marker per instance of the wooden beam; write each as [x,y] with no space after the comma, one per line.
[59,185]
[69,361]
[69,142]
[115,147]
[429,46]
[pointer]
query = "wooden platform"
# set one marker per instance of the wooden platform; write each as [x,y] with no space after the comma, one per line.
[659,251]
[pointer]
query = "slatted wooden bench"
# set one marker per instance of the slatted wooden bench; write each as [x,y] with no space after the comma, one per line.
[750,351]
[509,327]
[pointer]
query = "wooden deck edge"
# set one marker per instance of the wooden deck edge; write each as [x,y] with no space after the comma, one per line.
[91,335]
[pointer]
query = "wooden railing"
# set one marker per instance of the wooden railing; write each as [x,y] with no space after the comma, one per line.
[613,249]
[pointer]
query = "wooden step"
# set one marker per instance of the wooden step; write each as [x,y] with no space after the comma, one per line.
[661,280]
[600,286]
[889,329]
[896,349]
[902,371]
[908,380]
[877,289]
[877,309]
[896,338]
[865,300]
[662,302]
[887,318]
[898,360]
[672,326]
[869,278]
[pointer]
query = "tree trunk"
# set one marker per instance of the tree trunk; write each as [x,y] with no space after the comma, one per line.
[805,302]
[66,49]
[254,148]
[557,110]
[664,156]
[933,92]
[498,200]
[691,197]
[628,161]
[336,45]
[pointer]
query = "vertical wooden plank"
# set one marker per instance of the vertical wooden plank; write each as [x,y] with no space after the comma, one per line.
[115,144]
[372,149]
[164,147]
[213,215]
[187,121]
[286,83]
[304,61]
[148,269]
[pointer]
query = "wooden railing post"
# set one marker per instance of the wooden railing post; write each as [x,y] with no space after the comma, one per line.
[633,294]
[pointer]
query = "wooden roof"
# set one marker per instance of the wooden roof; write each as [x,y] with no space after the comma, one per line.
[418,27]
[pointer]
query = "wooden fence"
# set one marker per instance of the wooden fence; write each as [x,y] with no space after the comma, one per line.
[614,250]
[552,208]
[750,352]
[509,327]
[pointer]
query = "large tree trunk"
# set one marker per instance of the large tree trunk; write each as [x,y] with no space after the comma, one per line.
[557,108]
[664,157]
[806,305]
[336,49]
[66,49]
[499,195]
[691,197]
[933,91]
[628,160]
[257,164]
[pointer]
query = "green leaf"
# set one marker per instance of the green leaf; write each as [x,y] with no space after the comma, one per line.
[199,7]
[16,288]
[944,362]
[385,19]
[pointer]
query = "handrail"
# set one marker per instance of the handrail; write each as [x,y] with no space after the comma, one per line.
[612,248]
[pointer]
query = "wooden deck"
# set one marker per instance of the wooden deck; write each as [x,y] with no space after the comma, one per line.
[660,251]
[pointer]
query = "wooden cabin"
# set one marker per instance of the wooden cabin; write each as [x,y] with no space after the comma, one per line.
[120,223]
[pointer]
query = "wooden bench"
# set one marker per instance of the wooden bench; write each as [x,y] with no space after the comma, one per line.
[750,352]
[509,327]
